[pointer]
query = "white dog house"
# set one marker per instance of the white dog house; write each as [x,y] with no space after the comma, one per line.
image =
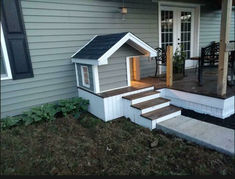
[105,67]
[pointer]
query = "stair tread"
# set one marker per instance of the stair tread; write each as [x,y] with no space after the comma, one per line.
[150,103]
[161,112]
[140,95]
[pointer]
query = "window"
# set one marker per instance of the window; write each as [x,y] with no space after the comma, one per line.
[5,65]
[85,76]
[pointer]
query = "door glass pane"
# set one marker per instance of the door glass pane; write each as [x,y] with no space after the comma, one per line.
[186,32]
[3,68]
[166,28]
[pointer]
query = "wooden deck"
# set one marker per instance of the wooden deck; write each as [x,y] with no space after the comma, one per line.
[124,90]
[190,83]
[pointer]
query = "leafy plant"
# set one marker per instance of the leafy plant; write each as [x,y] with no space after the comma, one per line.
[10,122]
[47,112]
[74,105]
[179,58]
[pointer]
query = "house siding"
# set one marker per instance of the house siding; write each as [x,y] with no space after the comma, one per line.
[56,29]
[210,25]
[114,74]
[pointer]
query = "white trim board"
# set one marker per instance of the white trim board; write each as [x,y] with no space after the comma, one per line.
[221,108]
[83,78]
[96,81]
[5,57]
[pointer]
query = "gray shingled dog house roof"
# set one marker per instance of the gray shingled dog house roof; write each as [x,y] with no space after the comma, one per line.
[101,47]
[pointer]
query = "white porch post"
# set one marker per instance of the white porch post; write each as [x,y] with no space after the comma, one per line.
[223,54]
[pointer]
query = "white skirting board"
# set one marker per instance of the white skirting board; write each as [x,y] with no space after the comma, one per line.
[221,108]
[115,106]
[107,108]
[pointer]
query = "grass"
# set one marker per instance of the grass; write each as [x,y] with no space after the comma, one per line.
[91,147]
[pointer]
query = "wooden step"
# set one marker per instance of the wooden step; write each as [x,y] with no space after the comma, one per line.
[141,95]
[159,113]
[150,103]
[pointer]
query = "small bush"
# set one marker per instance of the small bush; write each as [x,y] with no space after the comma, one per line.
[47,112]
[75,106]
[9,122]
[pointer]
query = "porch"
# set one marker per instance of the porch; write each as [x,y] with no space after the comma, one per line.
[189,83]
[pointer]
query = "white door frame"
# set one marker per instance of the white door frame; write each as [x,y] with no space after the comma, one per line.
[195,9]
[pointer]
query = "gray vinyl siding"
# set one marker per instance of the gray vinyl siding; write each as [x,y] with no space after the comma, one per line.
[114,74]
[91,88]
[210,25]
[55,30]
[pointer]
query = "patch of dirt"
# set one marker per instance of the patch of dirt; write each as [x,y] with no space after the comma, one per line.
[228,122]
[89,146]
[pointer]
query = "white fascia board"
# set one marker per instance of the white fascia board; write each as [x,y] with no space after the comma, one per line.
[103,62]
[83,46]
[143,45]
[113,49]
[152,52]
[96,81]
[85,61]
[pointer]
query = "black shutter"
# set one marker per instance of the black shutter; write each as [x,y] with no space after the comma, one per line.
[16,41]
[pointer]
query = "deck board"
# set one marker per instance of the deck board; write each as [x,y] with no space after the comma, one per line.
[140,95]
[161,112]
[190,84]
[150,103]
[123,90]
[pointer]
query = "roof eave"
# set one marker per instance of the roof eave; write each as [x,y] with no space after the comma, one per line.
[85,61]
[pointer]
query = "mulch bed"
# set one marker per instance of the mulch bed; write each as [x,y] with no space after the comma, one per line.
[227,122]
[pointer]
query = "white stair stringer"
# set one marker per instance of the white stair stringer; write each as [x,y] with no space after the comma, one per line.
[136,115]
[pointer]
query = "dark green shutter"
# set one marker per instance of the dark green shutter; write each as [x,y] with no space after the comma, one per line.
[16,41]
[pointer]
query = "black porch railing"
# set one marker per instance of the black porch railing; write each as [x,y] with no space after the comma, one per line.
[210,58]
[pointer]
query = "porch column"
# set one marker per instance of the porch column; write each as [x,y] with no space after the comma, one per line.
[223,54]
[169,66]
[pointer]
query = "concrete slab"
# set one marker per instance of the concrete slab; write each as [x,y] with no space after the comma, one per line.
[209,135]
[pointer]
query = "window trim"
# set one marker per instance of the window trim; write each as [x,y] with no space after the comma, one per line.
[5,57]
[83,78]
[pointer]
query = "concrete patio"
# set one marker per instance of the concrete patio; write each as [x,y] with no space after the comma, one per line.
[209,135]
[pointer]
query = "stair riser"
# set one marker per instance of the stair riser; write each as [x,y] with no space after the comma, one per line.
[146,98]
[139,91]
[146,110]
[142,121]
[154,122]
[134,115]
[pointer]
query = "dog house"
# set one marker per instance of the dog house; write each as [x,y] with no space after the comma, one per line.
[109,62]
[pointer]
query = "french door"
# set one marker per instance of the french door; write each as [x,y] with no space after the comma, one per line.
[177,28]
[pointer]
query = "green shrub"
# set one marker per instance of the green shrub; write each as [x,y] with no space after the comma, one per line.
[9,122]
[47,112]
[75,106]
[44,112]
